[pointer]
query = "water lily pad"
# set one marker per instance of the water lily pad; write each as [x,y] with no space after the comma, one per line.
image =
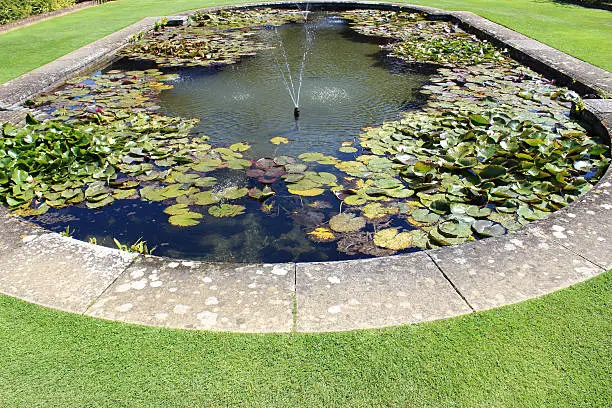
[354,200]
[206,198]
[261,195]
[377,210]
[311,192]
[486,228]
[101,203]
[322,234]
[233,193]
[185,219]
[226,210]
[391,238]
[454,229]
[176,209]
[240,147]
[278,140]
[346,222]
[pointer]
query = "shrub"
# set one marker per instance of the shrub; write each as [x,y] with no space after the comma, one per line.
[11,10]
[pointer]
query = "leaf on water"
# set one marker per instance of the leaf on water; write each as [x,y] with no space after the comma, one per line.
[377,210]
[233,193]
[486,228]
[226,210]
[346,222]
[322,234]
[187,219]
[177,209]
[206,198]
[311,192]
[240,147]
[278,140]
[391,238]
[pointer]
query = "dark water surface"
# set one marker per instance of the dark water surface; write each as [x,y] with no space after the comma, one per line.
[347,84]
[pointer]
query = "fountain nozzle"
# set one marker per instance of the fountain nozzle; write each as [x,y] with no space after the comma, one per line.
[296,113]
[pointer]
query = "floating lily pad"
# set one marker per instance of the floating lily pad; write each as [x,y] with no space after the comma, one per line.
[322,234]
[487,228]
[226,210]
[278,140]
[346,222]
[185,219]
[311,192]
[233,193]
[391,238]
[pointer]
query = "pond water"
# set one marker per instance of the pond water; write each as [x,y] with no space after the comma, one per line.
[348,83]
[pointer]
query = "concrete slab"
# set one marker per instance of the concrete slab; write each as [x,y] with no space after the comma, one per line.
[60,272]
[16,232]
[373,293]
[500,271]
[198,295]
[584,227]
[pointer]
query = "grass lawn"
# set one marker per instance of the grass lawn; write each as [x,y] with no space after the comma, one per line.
[553,351]
[581,32]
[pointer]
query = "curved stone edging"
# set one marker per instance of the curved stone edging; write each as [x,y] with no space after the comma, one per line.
[569,246]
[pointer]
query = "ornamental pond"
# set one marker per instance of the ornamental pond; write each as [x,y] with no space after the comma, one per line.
[411,135]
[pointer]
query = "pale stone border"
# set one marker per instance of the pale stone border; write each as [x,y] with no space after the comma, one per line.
[569,246]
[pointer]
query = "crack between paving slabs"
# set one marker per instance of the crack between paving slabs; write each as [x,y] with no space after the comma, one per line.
[451,282]
[542,235]
[93,302]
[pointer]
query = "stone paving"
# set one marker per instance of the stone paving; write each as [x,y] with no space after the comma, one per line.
[571,245]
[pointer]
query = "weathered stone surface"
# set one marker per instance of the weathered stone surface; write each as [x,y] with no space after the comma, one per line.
[15,232]
[499,271]
[188,294]
[60,272]
[373,293]
[584,227]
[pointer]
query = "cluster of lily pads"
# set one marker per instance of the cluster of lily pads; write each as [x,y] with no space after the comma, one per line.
[216,38]
[416,39]
[492,149]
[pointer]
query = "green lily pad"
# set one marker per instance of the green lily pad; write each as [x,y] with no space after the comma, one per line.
[226,210]
[346,222]
[186,219]
[391,238]
[233,193]
[177,209]
[486,228]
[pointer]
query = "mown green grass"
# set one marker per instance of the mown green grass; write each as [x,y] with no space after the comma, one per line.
[549,352]
[553,351]
[581,32]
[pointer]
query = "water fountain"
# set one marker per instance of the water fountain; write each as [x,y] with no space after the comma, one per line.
[287,77]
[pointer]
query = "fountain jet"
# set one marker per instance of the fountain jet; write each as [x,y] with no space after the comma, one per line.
[296,113]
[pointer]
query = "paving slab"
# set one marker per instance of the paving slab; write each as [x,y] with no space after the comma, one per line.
[60,272]
[16,232]
[584,227]
[200,295]
[373,293]
[509,269]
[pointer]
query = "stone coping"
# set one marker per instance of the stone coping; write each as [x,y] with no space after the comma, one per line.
[569,246]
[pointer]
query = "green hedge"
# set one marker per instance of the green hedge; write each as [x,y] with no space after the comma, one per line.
[11,10]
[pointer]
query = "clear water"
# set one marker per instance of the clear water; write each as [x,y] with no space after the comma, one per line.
[347,84]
